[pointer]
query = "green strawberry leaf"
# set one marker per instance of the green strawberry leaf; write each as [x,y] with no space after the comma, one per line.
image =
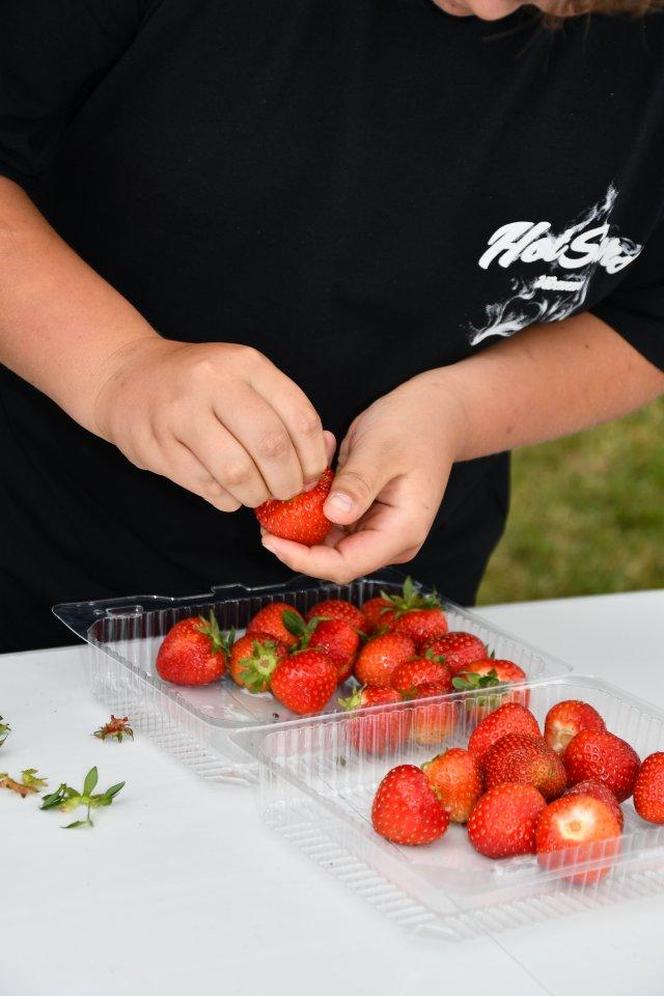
[90,781]
[5,730]
[293,622]
[79,823]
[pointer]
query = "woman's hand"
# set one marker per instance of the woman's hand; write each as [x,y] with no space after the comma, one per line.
[393,469]
[217,418]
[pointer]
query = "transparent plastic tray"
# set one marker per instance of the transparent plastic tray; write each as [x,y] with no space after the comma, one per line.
[124,635]
[316,788]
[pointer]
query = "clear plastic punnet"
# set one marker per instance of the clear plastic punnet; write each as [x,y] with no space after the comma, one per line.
[194,724]
[318,777]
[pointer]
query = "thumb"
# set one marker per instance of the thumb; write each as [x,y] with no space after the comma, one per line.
[361,477]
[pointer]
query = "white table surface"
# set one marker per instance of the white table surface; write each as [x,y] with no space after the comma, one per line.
[179,888]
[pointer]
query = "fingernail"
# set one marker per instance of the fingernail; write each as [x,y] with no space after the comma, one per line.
[340,502]
[310,485]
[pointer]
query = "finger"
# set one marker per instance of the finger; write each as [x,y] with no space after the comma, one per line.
[258,428]
[368,466]
[180,465]
[300,418]
[330,445]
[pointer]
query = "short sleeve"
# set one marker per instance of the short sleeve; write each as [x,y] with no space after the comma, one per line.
[52,55]
[635,309]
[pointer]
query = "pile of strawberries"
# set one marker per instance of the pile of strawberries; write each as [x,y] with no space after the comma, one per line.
[396,646]
[519,791]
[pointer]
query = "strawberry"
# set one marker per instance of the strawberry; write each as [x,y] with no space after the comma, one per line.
[575,829]
[379,656]
[458,649]
[253,659]
[419,671]
[379,732]
[377,613]
[503,822]
[602,757]
[565,719]
[490,674]
[518,757]
[509,718]
[193,652]
[601,792]
[304,681]
[455,778]
[649,789]
[337,608]
[270,619]
[300,518]
[339,640]
[418,616]
[405,808]
[432,724]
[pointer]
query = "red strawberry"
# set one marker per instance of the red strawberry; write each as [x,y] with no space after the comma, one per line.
[420,671]
[304,681]
[575,829]
[193,652]
[379,656]
[455,778]
[509,718]
[599,791]
[253,659]
[379,732]
[502,824]
[418,616]
[519,757]
[491,674]
[377,614]
[337,608]
[458,649]
[270,620]
[649,789]
[405,808]
[565,719]
[602,757]
[432,724]
[338,639]
[300,518]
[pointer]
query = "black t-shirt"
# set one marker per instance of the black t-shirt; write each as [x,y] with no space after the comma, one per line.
[362,189]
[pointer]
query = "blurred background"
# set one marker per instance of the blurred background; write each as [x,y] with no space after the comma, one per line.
[587,515]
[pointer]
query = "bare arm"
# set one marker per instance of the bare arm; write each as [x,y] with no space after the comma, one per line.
[548,381]
[217,418]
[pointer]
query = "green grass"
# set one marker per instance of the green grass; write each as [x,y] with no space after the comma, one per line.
[587,514]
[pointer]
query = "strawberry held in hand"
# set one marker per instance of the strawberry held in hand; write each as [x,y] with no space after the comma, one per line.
[304,681]
[193,652]
[405,808]
[301,518]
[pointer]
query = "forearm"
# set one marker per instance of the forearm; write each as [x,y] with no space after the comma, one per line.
[60,322]
[546,382]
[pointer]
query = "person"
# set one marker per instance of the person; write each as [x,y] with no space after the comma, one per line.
[234,237]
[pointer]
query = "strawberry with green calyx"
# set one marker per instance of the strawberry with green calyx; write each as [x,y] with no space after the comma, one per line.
[194,652]
[300,519]
[66,798]
[408,676]
[418,616]
[334,637]
[117,728]
[338,608]
[5,730]
[490,673]
[377,613]
[270,619]
[253,660]
[458,648]
[379,732]
[304,681]
[29,784]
